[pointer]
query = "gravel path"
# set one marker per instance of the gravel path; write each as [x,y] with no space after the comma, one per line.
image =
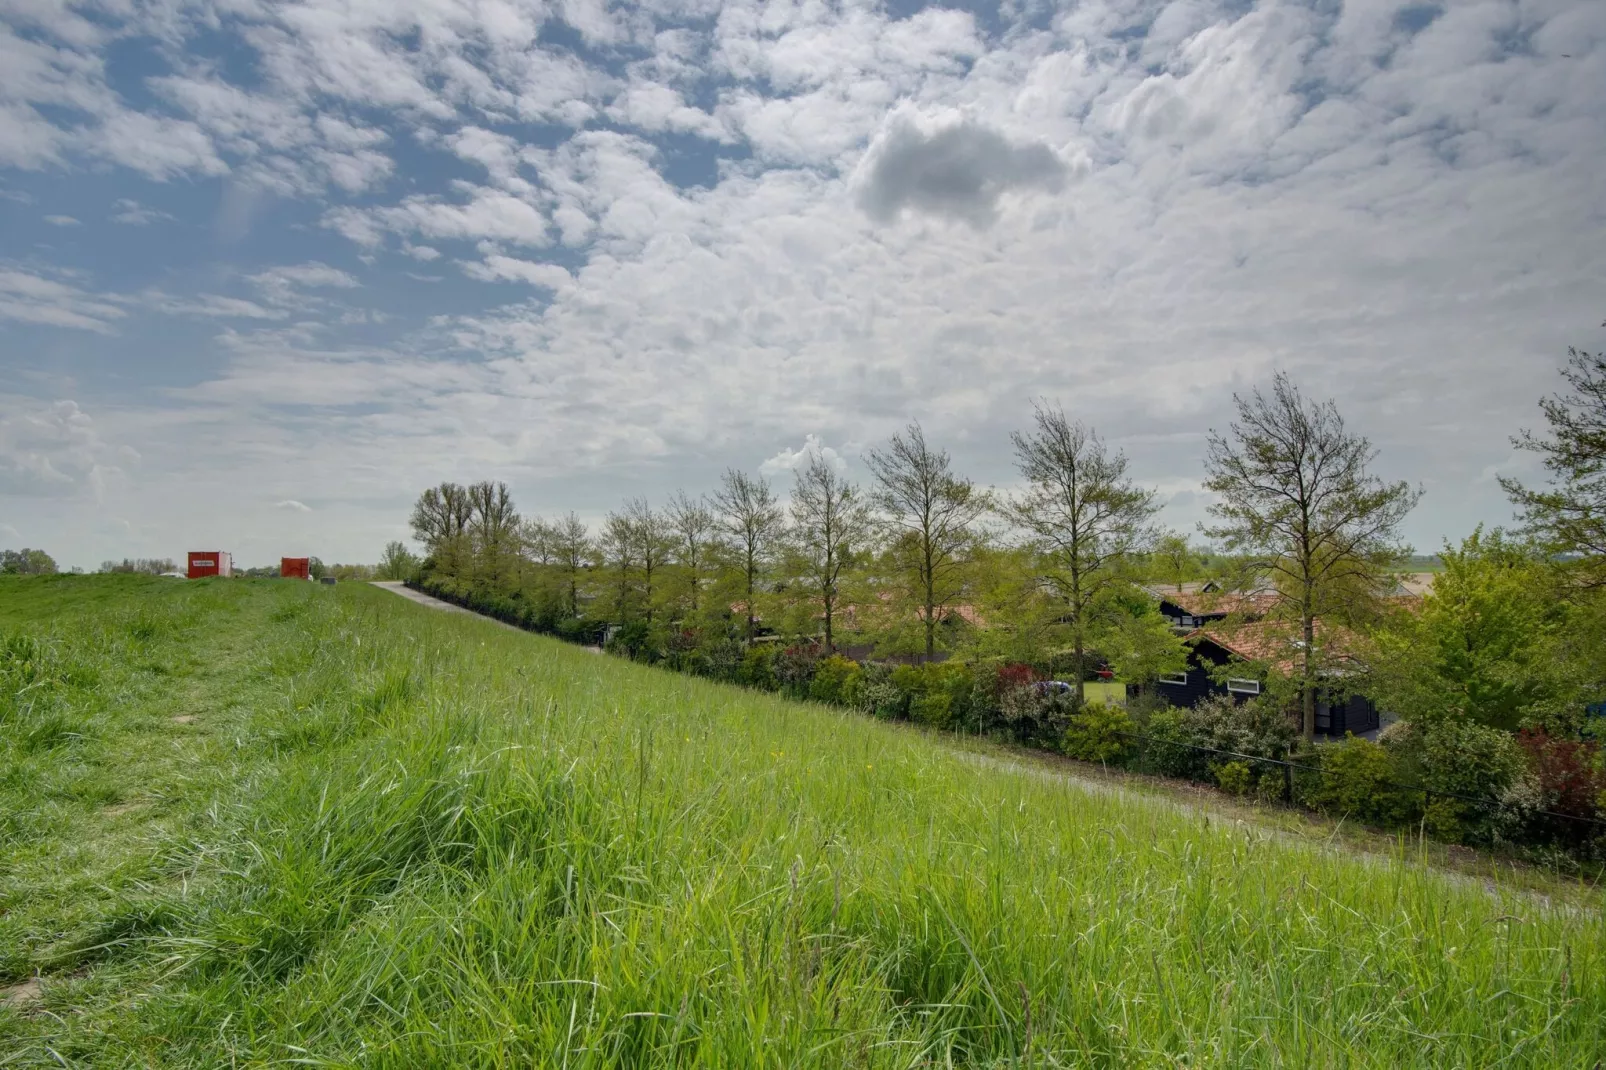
[397,587]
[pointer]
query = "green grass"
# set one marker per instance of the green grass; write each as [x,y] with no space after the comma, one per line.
[395,837]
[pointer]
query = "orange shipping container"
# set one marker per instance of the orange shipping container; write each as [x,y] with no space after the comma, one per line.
[295,568]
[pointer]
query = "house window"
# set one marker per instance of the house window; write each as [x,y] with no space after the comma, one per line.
[1244,687]
[1177,678]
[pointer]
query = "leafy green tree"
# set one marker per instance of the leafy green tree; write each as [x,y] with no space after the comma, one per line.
[1569,516]
[653,537]
[616,545]
[27,562]
[693,530]
[1087,521]
[1482,646]
[829,522]
[440,523]
[752,522]
[494,531]
[398,562]
[1296,495]
[1019,614]
[931,518]
[571,550]
[1173,561]
[1142,646]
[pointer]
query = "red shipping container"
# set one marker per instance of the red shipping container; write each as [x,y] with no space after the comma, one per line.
[295,568]
[209,563]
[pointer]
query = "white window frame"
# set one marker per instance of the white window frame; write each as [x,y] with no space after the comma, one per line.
[1177,679]
[1243,686]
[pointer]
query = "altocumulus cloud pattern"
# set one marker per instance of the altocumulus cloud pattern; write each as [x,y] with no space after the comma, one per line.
[262,255]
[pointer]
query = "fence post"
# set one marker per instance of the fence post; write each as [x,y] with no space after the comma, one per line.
[1288,775]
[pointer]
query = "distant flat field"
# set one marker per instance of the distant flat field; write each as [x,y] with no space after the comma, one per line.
[253,822]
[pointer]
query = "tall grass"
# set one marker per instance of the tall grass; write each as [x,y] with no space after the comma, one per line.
[466,846]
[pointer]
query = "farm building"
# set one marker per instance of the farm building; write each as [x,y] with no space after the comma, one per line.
[209,563]
[295,568]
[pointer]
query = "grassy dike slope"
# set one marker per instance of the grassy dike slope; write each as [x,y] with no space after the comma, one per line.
[395,837]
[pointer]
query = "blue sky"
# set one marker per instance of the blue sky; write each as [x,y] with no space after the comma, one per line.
[268,269]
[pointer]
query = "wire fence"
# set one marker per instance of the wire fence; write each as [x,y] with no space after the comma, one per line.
[1290,767]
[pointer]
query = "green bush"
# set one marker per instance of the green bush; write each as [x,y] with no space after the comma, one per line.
[1360,779]
[1098,734]
[934,708]
[1235,777]
[1168,749]
[1255,728]
[1468,759]
[1270,785]
[835,679]
[758,667]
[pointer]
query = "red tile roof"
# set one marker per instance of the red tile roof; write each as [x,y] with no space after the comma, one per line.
[1276,643]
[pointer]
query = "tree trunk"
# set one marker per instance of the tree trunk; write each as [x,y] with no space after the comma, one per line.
[1081,670]
[1307,685]
[829,647]
[750,600]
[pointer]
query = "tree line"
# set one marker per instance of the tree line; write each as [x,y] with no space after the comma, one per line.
[922,595]
[921,561]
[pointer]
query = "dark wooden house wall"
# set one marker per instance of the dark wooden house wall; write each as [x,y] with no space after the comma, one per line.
[1355,713]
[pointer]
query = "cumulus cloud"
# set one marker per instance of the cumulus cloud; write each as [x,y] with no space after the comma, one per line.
[790,460]
[956,167]
[61,221]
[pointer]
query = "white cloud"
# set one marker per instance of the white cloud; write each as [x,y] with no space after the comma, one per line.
[132,213]
[1399,217]
[61,221]
[54,449]
[291,505]
[487,214]
[496,267]
[285,286]
[217,306]
[790,460]
[26,297]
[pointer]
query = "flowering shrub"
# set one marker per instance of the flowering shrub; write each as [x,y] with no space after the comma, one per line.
[794,668]
[1568,771]
[1014,676]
